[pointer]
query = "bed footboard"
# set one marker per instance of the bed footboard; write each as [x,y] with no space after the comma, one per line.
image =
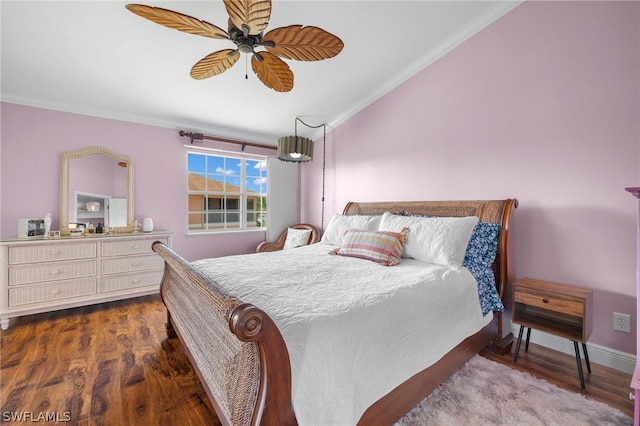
[235,348]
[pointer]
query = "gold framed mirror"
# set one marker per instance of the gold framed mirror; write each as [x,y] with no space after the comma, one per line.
[96,186]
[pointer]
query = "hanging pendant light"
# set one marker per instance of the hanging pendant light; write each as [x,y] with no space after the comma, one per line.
[299,149]
[296,149]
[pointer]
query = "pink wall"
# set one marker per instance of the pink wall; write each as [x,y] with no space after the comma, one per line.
[32,140]
[544,106]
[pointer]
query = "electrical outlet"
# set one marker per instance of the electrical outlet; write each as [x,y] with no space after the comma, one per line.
[622,322]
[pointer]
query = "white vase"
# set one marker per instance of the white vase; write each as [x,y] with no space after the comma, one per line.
[147,224]
[47,225]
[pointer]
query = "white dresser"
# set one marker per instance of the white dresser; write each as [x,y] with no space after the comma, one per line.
[50,274]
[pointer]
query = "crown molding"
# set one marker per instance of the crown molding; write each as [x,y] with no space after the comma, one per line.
[220,131]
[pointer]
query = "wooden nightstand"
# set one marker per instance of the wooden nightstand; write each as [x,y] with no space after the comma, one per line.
[559,309]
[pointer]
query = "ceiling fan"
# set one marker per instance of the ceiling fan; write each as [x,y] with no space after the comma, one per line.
[247,22]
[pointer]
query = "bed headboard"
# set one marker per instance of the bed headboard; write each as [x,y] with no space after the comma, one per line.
[495,211]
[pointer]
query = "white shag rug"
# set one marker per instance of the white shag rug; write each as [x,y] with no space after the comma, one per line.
[484,392]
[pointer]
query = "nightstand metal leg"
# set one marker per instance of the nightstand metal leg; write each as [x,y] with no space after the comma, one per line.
[526,345]
[586,357]
[576,348]
[515,354]
[579,362]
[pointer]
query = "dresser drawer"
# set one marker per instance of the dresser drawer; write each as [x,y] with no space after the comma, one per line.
[51,252]
[55,291]
[132,264]
[551,302]
[129,247]
[128,281]
[52,272]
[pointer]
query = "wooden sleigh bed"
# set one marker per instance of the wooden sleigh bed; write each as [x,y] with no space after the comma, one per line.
[240,355]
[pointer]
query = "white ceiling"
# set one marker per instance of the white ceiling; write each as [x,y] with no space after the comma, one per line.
[97,58]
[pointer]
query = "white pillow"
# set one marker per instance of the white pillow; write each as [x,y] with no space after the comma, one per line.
[439,240]
[296,238]
[340,223]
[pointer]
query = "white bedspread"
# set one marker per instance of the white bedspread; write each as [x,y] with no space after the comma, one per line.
[354,329]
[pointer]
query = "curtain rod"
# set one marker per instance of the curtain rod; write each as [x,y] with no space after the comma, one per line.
[198,137]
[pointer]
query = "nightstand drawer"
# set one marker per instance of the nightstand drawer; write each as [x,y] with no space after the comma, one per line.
[551,302]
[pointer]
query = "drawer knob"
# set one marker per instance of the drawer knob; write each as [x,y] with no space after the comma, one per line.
[55,272]
[545,300]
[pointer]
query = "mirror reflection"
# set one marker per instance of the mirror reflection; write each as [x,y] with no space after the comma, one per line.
[97,189]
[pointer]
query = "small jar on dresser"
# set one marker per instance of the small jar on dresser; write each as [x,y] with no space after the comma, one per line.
[41,275]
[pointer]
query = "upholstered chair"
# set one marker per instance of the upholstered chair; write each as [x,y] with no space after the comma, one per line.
[301,234]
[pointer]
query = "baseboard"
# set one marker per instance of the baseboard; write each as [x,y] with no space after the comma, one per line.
[597,353]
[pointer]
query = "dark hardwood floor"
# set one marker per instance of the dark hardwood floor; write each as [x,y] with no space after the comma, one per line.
[111,364]
[604,384]
[108,364]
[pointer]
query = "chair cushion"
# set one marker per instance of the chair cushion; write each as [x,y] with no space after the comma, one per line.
[296,238]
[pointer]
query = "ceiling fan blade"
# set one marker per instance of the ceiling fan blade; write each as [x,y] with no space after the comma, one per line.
[273,72]
[214,64]
[255,14]
[303,43]
[178,21]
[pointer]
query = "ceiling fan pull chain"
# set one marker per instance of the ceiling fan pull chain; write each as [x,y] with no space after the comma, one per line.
[246,67]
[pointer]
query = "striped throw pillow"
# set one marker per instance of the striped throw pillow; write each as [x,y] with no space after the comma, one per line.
[379,246]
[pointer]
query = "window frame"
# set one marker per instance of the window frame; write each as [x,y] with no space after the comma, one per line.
[228,192]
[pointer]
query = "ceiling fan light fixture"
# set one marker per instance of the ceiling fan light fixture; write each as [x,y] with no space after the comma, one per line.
[295,149]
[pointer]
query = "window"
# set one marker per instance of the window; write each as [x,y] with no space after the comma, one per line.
[226,193]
